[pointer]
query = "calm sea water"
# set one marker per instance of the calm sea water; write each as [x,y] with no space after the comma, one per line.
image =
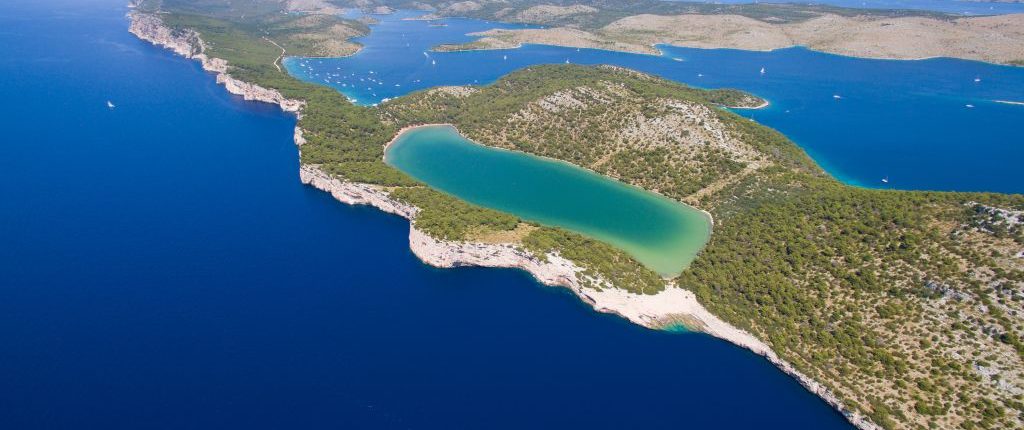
[908,121]
[555,193]
[161,266]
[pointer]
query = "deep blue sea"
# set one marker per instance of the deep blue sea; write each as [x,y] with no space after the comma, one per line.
[924,125]
[161,266]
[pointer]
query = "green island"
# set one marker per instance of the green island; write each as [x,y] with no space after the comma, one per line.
[904,304]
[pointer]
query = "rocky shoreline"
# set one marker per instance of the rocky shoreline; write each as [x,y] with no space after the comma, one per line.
[671,306]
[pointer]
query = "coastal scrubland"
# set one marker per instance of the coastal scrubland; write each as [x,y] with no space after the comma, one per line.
[906,304]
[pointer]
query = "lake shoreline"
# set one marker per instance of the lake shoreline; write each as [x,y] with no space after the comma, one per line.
[669,307]
[665,276]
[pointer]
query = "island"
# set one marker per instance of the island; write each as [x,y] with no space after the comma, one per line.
[637,26]
[899,308]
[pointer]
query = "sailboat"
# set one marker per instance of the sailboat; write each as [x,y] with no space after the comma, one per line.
[885,180]
[110,105]
[504,57]
[566,61]
[762,70]
[433,62]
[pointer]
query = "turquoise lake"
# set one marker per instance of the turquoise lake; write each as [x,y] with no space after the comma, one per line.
[662,234]
[925,125]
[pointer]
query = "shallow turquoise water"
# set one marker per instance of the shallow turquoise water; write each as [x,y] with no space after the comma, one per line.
[663,234]
[907,121]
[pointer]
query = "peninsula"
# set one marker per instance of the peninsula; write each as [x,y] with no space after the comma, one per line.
[899,308]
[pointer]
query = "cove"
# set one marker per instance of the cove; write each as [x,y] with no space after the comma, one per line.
[663,234]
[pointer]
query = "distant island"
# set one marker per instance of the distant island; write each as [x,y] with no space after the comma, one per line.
[900,308]
[638,26]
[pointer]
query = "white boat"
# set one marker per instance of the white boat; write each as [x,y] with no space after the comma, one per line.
[762,70]
[566,61]
[885,180]
[969,106]
[836,96]
[110,104]
[977,79]
[504,57]
[433,62]
[700,75]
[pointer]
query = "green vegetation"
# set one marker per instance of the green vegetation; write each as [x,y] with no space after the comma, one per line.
[906,304]
[446,217]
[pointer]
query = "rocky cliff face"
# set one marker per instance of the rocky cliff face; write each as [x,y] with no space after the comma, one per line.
[188,44]
[355,193]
